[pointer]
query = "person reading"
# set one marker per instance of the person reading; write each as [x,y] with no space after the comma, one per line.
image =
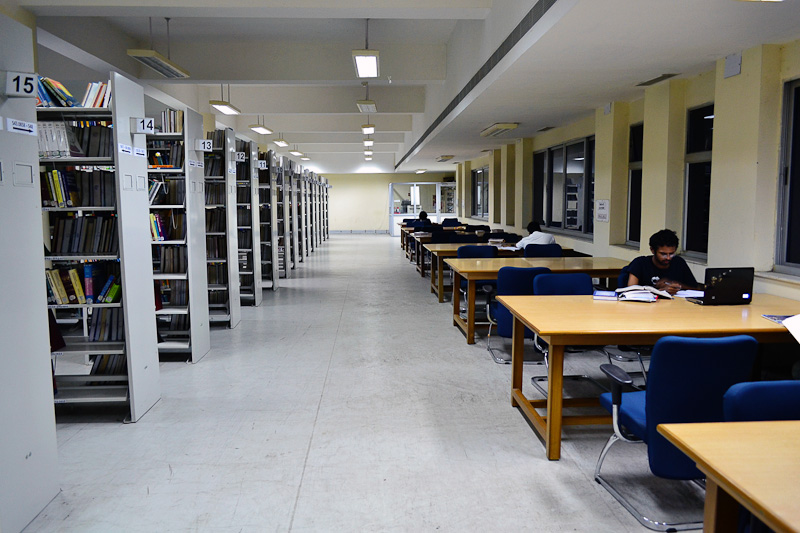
[537,236]
[664,269]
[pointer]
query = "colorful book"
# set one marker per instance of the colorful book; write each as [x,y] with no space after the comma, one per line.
[77,285]
[101,295]
[113,294]
[88,286]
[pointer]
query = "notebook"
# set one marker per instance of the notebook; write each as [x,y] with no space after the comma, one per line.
[727,286]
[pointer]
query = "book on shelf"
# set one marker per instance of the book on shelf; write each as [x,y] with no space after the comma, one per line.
[88,282]
[641,293]
[102,294]
[113,295]
[77,286]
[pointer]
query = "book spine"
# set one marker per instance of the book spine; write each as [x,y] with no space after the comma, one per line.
[102,294]
[77,285]
[113,292]
[88,285]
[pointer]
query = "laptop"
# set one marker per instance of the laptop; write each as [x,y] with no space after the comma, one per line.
[727,286]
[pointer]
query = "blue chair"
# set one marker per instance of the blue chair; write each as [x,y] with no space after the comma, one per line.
[450,223]
[466,238]
[486,286]
[688,379]
[763,400]
[574,284]
[543,250]
[511,281]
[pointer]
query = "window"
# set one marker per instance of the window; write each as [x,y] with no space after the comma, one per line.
[635,144]
[788,256]
[563,179]
[480,193]
[699,137]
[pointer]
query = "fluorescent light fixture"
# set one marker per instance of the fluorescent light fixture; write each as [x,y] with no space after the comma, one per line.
[420,171]
[369,142]
[224,107]
[296,152]
[499,128]
[367,106]
[280,142]
[368,129]
[368,152]
[258,128]
[711,117]
[368,158]
[366,63]
[305,158]
[159,63]
[443,158]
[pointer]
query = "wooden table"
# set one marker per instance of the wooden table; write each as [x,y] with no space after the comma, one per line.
[440,252]
[755,464]
[580,320]
[474,270]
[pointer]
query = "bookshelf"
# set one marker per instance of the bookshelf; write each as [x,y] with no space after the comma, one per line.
[224,302]
[303,211]
[325,191]
[177,223]
[306,186]
[248,218]
[315,197]
[268,220]
[117,333]
[292,180]
[28,453]
[282,214]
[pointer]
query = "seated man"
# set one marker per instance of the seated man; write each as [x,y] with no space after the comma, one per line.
[537,236]
[423,215]
[663,270]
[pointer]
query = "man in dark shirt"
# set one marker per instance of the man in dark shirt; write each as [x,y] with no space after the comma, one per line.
[663,270]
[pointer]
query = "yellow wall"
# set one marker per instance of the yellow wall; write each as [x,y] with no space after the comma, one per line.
[360,202]
[745,166]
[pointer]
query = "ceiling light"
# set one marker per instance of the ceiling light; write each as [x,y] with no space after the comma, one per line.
[296,152]
[366,105]
[369,142]
[366,61]
[367,129]
[280,141]
[156,61]
[259,128]
[305,158]
[443,158]
[222,105]
[368,158]
[499,128]
[420,171]
[368,152]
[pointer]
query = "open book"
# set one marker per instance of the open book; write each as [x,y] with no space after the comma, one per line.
[641,293]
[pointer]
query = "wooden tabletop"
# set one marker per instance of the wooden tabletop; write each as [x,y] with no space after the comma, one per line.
[582,320]
[598,266]
[757,463]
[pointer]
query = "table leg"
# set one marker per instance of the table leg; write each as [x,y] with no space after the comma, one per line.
[422,260]
[517,358]
[555,396]
[440,277]
[433,273]
[721,512]
[471,311]
[456,296]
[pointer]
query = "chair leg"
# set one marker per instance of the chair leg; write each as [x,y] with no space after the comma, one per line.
[536,380]
[655,525]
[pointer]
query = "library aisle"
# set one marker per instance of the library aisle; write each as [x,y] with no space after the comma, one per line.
[346,402]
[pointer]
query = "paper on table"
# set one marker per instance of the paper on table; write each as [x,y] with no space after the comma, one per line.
[509,248]
[689,293]
[793,325]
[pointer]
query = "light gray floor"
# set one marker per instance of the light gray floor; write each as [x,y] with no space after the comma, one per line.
[346,402]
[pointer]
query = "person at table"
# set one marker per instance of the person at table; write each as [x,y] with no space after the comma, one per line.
[423,216]
[537,236]
[664,269]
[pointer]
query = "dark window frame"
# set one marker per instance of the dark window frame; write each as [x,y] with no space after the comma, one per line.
[697,180]
[633,228]
[787,256]
[480,193]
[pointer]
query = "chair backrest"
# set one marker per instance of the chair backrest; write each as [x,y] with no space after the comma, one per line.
[408,220]
[476,252]
[439,236]
[450,223]
[514,281]
[418,223]
[687,380]
[466,238]
[622,279]
[762,400]
[543,250]
[573,284]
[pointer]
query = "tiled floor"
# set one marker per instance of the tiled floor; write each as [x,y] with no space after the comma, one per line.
[346,402]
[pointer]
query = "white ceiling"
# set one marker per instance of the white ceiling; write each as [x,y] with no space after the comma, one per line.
[289,63]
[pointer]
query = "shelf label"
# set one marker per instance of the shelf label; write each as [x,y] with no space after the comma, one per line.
[142,125]
[232,171]
[21,84]
[200,164]
[203,145]
[241,157]
[125,149]
[20,126]
[192,163]
[139,152]
[262,164]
